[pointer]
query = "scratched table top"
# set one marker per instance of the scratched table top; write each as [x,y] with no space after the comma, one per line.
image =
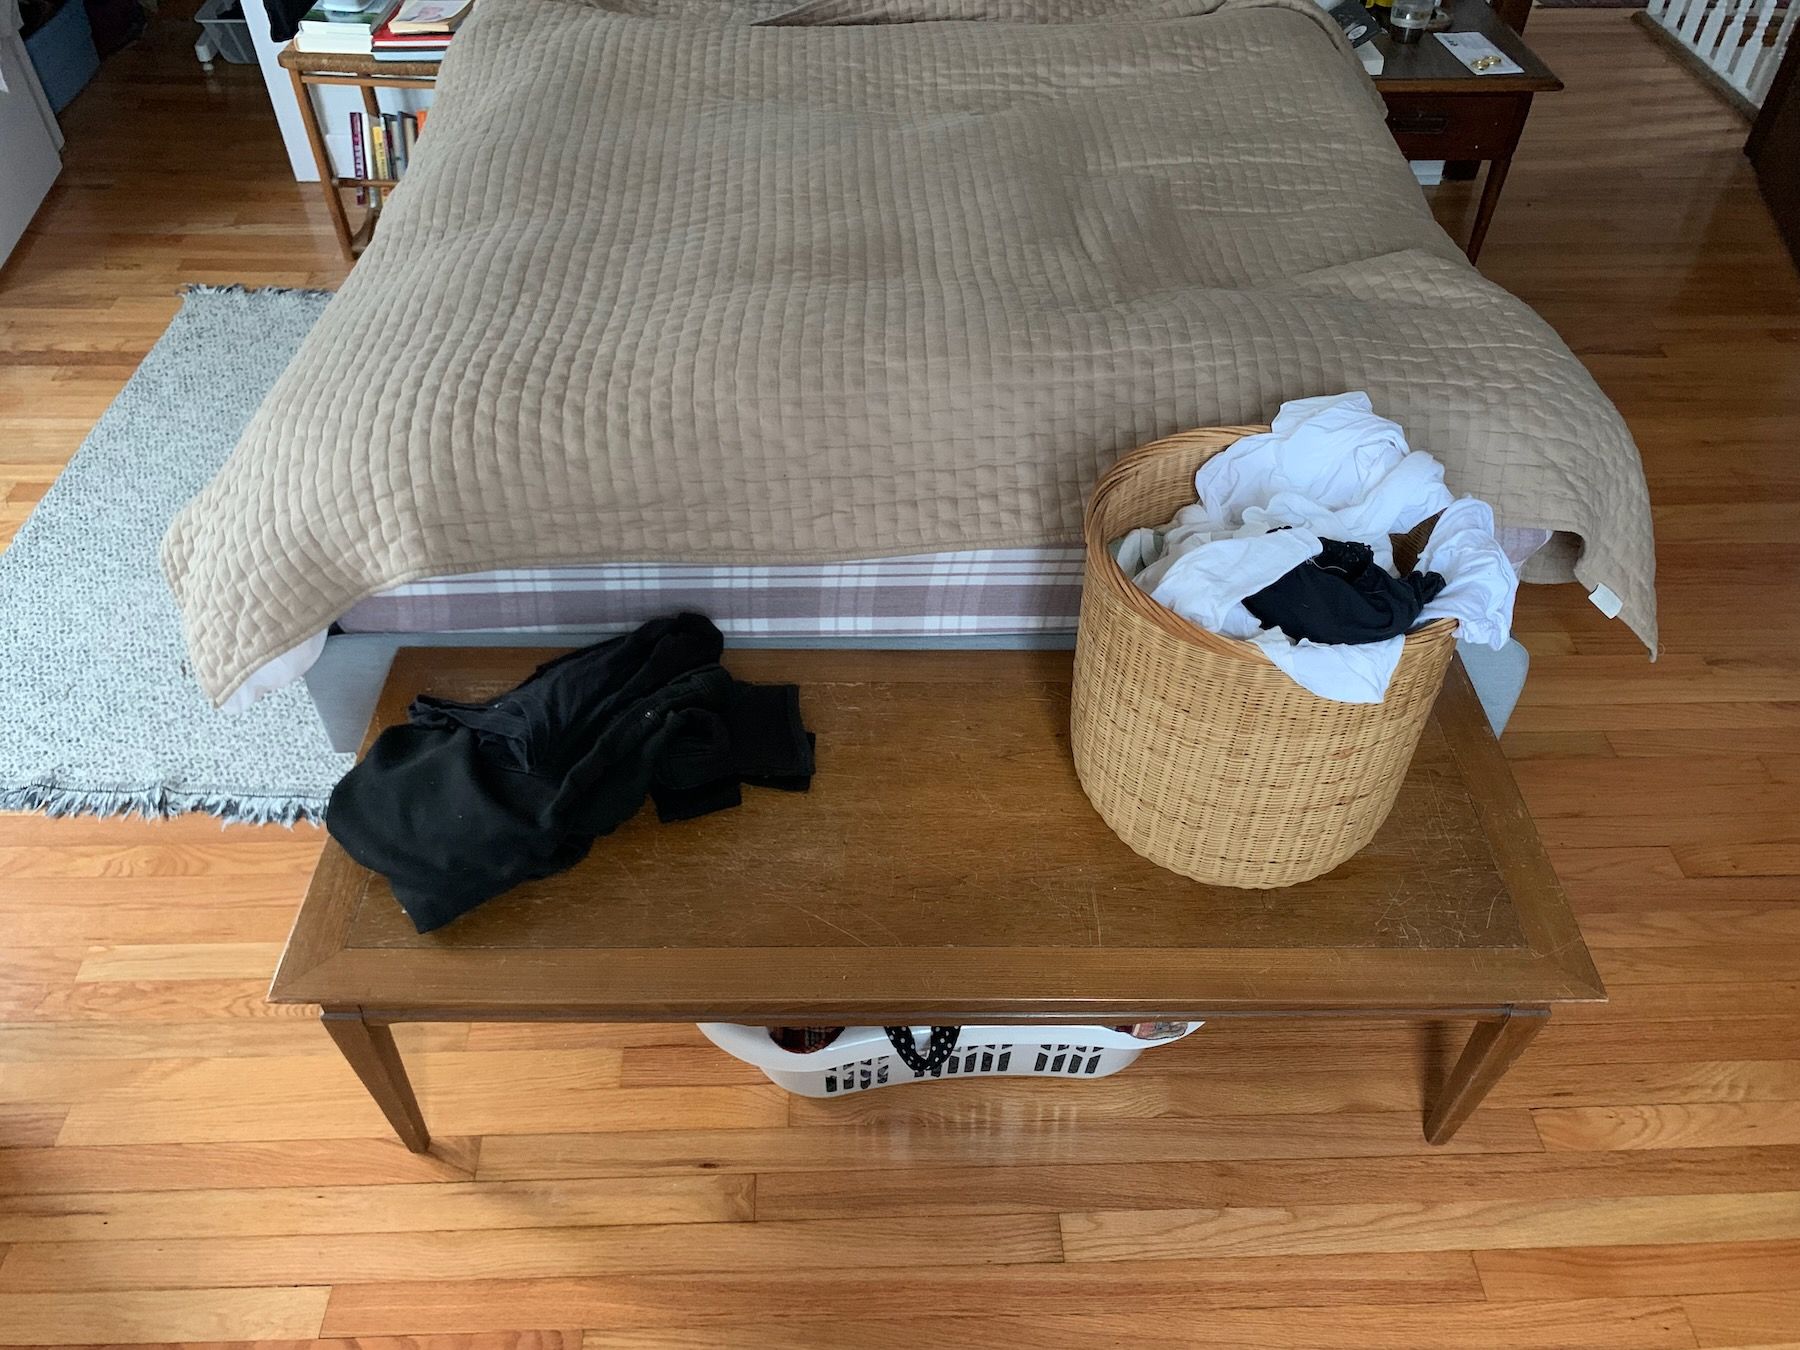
[946,865]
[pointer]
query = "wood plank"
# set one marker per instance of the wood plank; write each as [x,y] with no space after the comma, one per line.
[1760,1319]
[162,1001]
[683,1066]
[382,1161]
[255,1038]
[317,1097]
[648,1300]
[1150,1234]
[1750,998]
[1743,923]
[30,1126]
[526,1253]
[521,1157]
[1657,1270]
[198,1314]
[1694,1125]
[1721,963]
[487,1340]
[1601,1084]
[587,1035]
[125,1216]
[1621,1325]
[180,961]
[1741,857]
[829,1193]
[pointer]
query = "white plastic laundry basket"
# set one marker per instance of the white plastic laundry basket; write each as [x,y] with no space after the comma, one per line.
[862,1058]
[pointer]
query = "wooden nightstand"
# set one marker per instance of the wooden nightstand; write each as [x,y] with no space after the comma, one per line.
[1440,109]
[357,72]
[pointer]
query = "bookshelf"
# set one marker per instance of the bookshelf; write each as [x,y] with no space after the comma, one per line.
[310,69]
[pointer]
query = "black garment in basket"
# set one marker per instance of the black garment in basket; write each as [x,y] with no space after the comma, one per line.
[466,800]
[1341,595]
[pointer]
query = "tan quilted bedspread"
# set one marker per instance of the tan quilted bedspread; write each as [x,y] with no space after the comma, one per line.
[664,283]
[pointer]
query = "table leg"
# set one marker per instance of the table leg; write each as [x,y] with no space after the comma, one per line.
[334,201]
[373,1055]
[1496,1043]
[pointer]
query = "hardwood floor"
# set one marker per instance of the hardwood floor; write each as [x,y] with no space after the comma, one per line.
[183,1162]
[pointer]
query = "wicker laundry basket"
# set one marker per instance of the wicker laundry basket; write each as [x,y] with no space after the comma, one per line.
[1200,754]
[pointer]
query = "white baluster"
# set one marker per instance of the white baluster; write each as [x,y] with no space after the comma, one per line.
[1679,12]
[1714,34]
[1691,21]
[1737,70]
[1756,84]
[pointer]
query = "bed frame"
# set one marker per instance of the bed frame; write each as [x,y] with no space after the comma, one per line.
[347,678]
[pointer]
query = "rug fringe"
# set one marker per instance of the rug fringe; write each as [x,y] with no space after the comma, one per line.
[238,288]
[162,803]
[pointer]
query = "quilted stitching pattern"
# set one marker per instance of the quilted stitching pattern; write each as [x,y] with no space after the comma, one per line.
[662,288]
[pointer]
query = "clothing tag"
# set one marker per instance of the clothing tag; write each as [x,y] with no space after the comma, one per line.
[1606,601]
[1470,48]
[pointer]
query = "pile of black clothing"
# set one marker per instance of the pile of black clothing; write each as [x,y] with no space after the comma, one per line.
[1342,595]
[466,800]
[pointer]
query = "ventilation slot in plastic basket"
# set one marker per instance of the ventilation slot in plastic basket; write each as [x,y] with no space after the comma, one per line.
[1067,1059]
[857,1077]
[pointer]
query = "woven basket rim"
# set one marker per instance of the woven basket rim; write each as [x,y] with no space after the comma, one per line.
[1102,566]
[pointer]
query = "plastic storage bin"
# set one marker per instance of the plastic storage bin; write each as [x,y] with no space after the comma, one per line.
[861,1058]
[63,54]
[228,31]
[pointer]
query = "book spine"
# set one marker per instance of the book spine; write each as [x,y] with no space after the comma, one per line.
[378,148]
[390,132]
[409,135]
[359,161]
[419,117]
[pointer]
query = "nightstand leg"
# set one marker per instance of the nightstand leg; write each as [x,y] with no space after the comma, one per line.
[334,201]
[1491,1051]
[375,1058]
[1484,210]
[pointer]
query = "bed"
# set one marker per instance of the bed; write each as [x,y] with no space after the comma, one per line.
[789,302]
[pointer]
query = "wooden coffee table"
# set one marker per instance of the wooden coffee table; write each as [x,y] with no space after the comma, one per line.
[946,868]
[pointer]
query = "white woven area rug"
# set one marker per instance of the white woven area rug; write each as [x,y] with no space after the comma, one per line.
[99,712]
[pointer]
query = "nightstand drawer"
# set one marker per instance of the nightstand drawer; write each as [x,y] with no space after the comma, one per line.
[1456,126]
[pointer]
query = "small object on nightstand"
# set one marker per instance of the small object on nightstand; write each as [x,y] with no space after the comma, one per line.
[1479,54]
[1409,19]
[1358,23]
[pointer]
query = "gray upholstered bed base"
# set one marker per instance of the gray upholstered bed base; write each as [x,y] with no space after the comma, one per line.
[348,676]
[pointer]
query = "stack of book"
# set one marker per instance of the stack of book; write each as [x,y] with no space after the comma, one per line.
[346,26]
[382,146]
[420,30]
